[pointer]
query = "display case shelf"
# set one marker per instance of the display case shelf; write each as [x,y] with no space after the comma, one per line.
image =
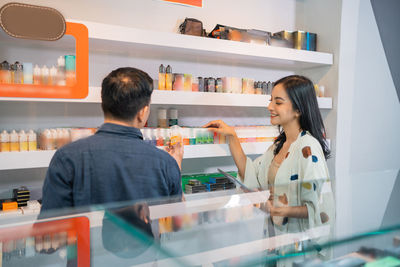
[184,98]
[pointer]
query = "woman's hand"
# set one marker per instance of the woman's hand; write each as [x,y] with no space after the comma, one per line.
[220,127]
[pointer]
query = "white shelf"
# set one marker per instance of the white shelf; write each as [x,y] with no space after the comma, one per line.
[131,41]
[161,45]
[41,159]
[183,98]
[25,160]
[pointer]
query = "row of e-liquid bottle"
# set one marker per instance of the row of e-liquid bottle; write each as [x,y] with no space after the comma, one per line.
[25,73]
[46,139]
[18,141]
[188,136]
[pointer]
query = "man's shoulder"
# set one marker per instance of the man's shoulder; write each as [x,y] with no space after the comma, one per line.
[77,146]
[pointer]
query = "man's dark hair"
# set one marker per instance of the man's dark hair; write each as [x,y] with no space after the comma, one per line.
[124,92]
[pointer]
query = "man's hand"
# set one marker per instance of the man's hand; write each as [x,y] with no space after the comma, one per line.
[176,151]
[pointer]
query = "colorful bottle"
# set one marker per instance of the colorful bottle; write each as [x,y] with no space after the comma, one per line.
[5,72]
[5,142]
[192,136]
[28,72]
[61,71]
[160,137]
[23,141]
[176,135]
[14,144]
[18,73]
[162,118]
[45,75]
[32,141]
[186,136]
[173,117]
[161,77]
[37,75]
[168,78]
[70,70]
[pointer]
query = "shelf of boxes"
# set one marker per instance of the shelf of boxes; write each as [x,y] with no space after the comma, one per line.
[161,97]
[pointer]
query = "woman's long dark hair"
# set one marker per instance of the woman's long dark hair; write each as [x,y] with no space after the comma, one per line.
[304,100]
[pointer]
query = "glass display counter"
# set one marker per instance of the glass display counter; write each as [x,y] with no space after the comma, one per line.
[222,230]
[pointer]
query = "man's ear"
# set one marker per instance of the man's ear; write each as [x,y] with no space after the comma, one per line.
[143,114]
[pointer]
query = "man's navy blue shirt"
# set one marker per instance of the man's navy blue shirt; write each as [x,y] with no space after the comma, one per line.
[115,164]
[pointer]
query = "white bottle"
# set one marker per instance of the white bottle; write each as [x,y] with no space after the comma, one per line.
[61,71]
[23,141]
[45,75]
[4,142]
[53,76]
[32,141]
[14,144]
[37,75]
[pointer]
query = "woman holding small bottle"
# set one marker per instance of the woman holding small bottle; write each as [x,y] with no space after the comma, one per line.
[294,167]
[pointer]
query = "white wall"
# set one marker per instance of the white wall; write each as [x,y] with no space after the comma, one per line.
[368,126]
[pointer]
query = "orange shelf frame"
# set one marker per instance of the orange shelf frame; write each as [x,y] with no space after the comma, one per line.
[78,91]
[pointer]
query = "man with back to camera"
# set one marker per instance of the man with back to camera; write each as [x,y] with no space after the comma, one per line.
[115,164]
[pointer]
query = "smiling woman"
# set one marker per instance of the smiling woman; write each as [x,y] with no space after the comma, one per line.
[294,168]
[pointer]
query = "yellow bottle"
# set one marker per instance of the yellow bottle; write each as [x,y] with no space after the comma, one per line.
[4,142]
[161,77]
[23,141]
[32,141]
[168,78]
[14,144]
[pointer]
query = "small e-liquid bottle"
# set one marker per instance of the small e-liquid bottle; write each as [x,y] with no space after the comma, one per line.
[5,72]
[161,77]
[70,70]
[211,85]
[168,78]
[201,84]
[28,72]
[162,118]
[37,75]
[218,85]
[23,141]
[45,75]
[61,71]
[160,137]
[186,136]
[53,76]
[264,88]
[259,88]
[192,136]
[32,141]
[14,144]
[173,117]
[176,135]
[18,73]
[5,142]
[54,138]
[166,135]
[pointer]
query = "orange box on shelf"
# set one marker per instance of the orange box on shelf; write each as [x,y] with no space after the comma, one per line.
[10,206]
[78,91]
